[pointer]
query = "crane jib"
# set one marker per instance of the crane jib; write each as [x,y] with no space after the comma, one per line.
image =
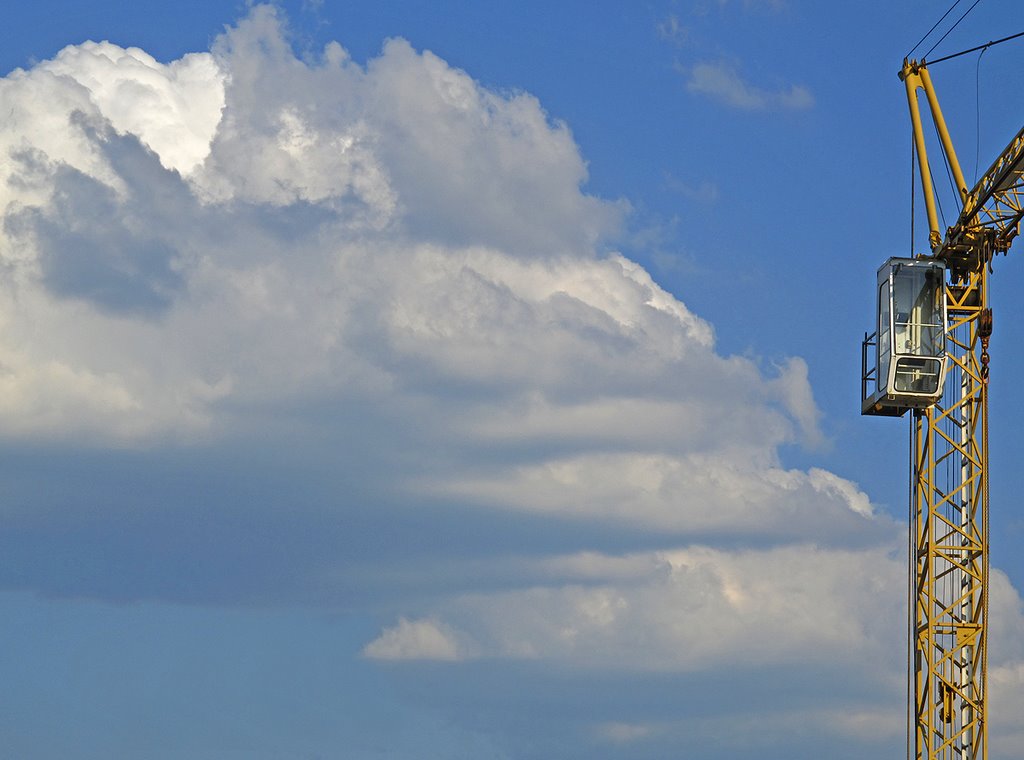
[996,201]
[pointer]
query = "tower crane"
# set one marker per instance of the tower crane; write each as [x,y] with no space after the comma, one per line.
[929,355]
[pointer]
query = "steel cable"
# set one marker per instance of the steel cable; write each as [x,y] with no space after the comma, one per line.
[954,5]
[951,28]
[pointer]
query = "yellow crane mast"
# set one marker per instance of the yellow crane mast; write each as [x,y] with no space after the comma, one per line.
[930,356]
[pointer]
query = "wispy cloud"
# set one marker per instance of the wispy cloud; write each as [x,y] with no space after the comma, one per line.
[774,6]
[723,83]
[704,191]
[672,30]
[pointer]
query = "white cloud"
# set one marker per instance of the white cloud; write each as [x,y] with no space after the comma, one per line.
[672,30]
[705,191]
[174,109]
[720,491]
[345,232]
[858,721]
[397,241]
[771,5]
[246,274]
[1006,667]
[1006,703]
[827,483]
[624,733]
[722,82]
[416,640]
[700,609]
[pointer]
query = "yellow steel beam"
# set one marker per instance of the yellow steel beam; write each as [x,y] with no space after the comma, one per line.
[915,77]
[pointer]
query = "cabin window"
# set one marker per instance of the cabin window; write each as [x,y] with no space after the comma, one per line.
[917,310]
[884,335]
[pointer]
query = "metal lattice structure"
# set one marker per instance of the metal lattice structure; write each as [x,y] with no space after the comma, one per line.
[949,546]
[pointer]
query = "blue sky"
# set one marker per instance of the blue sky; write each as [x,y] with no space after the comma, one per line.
[382,381]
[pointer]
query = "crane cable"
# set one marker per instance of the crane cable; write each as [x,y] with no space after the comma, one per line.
[954,5]
[973,5]
[912,580]
[986,46]
[986,552]
[976,47]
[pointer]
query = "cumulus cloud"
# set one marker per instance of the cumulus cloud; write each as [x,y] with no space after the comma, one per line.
[694,609]
[715,611]
[240,235]
[241,228]
[722,81]
[174,108]
[197,205]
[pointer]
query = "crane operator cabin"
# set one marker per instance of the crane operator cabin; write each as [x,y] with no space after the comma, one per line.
[904,361]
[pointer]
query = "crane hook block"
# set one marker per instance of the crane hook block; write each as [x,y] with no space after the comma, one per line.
[985,323]
[984,333]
